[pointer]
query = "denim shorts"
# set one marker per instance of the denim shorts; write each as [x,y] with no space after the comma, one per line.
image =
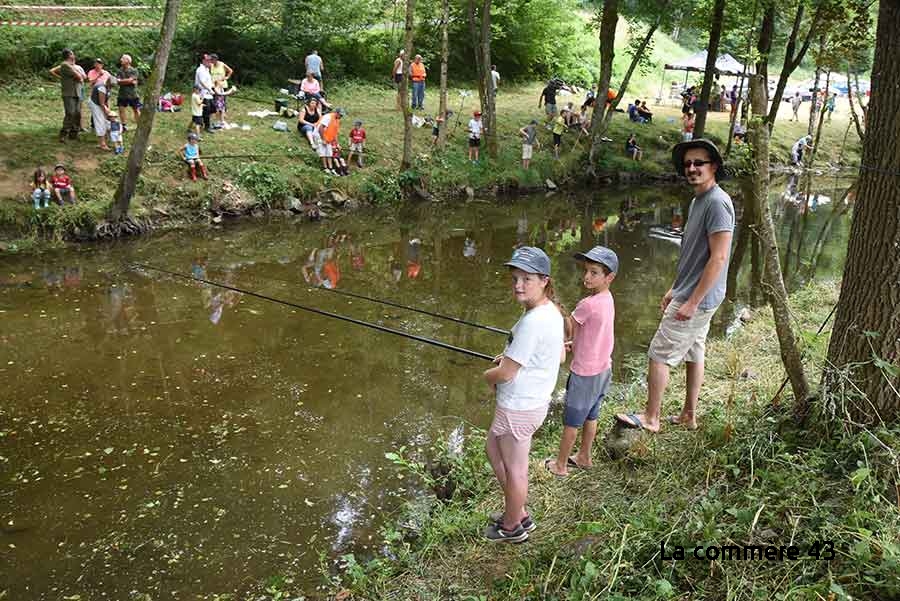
[583,397]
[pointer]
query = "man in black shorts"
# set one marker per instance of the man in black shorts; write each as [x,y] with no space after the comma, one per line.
[128,95]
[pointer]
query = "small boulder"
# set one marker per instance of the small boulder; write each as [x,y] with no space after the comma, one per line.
[745,316]
[550,184]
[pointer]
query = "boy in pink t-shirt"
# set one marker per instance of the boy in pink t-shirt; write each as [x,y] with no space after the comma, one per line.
[589,331]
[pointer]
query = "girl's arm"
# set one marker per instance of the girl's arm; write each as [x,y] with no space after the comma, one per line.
[228,71]
[504,372]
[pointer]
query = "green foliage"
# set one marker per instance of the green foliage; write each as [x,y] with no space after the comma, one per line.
[27,50]
[265,181]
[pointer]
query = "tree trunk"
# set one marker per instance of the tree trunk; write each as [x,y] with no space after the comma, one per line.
[712,53]
[815,102]
[445,53]
[406,162]
[864,351]
[745,234]
[820,120]
[860,130]
[774,284]
[129,179]
[608,23]
[488,106]
[476,50]
[791,61]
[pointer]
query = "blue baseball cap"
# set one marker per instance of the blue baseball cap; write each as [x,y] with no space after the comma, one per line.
[601,255]
[530,259]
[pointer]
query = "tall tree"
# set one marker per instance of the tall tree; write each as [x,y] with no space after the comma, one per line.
[488,103]
[774,282]
[445,53]
[608,21]
[712,53]
[480,32]
[792,55]
[406,162]
[863,378]
[129,179]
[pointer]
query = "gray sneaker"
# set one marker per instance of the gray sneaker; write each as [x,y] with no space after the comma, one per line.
[494,532]
[527,523]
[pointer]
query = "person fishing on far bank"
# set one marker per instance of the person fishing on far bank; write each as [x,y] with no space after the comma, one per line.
[524,379]
[699,288]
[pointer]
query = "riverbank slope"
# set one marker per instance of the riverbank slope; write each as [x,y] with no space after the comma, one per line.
[749,477]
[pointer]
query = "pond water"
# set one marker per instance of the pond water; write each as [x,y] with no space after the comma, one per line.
[167,438]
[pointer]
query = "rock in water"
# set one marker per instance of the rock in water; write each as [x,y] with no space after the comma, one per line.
[620,439]
[550,184]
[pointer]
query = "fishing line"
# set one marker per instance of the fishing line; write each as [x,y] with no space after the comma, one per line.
[359,322]
[397,305]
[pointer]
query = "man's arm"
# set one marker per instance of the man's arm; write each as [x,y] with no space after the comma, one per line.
[55,71]
[719,247]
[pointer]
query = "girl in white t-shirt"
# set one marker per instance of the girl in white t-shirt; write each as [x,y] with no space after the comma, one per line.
[524,379]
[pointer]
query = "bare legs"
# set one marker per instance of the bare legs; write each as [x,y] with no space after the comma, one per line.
[509,459]
[657,380]
[567,441]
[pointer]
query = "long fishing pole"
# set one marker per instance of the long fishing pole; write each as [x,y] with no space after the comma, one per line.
[422,311]
[399,306]
[359,322]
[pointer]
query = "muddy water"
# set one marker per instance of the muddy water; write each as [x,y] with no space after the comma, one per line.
[164,438]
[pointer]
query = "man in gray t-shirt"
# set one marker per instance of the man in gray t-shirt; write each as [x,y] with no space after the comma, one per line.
[313,64]
[698,290]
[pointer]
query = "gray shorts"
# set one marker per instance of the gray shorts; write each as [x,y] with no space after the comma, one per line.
[676,341]
[550,109]
[583,397]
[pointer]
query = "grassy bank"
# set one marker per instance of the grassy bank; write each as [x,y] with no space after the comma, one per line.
[749,476]
[268,167]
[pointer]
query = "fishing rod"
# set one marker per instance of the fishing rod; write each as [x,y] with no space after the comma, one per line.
[399,306]
[422,311]
[359,322]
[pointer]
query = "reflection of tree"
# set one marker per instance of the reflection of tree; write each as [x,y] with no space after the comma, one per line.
[838,210]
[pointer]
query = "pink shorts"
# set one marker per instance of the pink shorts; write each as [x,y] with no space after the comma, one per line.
[520,424]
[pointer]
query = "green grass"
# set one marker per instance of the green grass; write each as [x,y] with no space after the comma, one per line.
[30,117]
[748,476]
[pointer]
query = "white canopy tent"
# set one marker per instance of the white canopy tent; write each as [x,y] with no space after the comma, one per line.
[725,65]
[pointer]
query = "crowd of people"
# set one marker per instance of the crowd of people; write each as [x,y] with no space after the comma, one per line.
[320,123]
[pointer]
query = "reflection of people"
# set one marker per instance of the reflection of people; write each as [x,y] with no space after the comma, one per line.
[470,249]
[357,258]
[524,378]
[699,287]
[589,330]
[413,262]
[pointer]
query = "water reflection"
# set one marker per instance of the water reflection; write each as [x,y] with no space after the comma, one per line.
[179,438]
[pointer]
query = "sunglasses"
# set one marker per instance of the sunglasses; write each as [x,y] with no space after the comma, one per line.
[696,163]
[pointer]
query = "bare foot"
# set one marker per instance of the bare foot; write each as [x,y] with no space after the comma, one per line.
[682,420]
[553,468]
[639,421]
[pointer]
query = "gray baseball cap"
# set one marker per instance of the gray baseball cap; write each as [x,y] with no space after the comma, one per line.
[602,255]
[530,259]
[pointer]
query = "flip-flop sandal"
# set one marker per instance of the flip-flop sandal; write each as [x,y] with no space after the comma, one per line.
[572,463]
[548,463]
[631,421]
